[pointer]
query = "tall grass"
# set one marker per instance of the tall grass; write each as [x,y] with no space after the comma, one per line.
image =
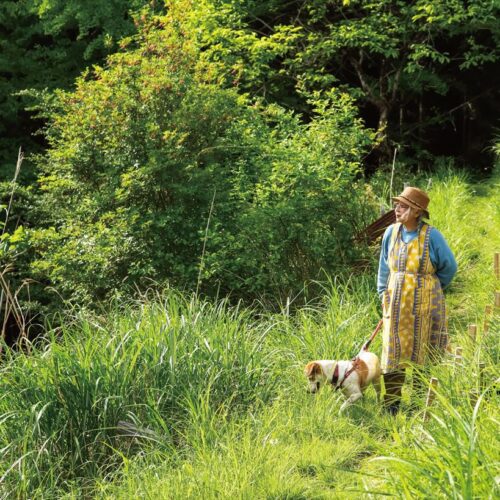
[456,454]
[145,364]
[172,396]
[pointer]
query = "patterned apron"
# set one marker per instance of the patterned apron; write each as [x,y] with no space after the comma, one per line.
[415,324]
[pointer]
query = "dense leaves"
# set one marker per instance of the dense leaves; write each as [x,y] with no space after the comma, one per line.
[412,66]
[156,172]
[46,44]
[221,148]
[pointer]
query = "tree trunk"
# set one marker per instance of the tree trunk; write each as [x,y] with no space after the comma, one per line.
[381,137]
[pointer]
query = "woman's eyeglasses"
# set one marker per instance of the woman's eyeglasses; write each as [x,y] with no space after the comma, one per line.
[400,205]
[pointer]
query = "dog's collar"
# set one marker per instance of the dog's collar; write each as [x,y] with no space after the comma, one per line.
[335,376]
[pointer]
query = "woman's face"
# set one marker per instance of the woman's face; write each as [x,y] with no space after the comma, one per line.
[405,214]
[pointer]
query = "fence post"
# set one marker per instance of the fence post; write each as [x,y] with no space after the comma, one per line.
[473,332]
[431,394]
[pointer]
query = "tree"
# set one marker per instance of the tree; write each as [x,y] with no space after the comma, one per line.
[46,44]
[410,65]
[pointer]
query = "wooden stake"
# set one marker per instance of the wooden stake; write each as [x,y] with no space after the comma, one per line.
[496,265]
[458,356]
[473,332]
[485,326]
[431,394]
[497,299]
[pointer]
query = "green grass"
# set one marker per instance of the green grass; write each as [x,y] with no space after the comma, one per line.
[215,397]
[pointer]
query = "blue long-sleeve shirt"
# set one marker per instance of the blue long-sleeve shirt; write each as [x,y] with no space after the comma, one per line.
[440,254]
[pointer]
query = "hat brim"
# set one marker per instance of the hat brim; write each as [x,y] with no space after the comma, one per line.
[408,202]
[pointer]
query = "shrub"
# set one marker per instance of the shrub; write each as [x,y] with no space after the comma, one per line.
[154,171]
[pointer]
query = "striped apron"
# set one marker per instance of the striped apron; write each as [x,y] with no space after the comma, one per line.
[415,326]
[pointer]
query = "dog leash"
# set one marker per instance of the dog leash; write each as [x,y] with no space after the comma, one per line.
[366,345]
[346,375]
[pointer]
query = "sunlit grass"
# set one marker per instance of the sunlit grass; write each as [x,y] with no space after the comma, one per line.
[172,396]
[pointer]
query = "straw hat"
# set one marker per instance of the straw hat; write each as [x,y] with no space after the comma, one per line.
[415,198]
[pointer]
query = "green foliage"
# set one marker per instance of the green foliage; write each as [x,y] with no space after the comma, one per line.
[447,457]
[46,44]
[147,362]
[139,151]
[300,215]
[214,400]
[222,148]
[395,57]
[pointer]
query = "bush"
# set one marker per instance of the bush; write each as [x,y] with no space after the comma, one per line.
[154,171]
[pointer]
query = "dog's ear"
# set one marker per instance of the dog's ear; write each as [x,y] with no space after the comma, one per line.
[313,369]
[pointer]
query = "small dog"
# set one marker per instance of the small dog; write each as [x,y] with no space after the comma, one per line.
[350,376]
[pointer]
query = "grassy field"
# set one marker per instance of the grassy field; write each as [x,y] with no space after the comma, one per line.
[171,396]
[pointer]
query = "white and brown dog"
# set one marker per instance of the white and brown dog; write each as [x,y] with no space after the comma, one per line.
[352,377]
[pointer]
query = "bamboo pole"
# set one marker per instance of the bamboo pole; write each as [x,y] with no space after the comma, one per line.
[497,299]
[496,265]
[431,394]
[392,174]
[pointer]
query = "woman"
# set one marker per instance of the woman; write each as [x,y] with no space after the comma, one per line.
[416,264]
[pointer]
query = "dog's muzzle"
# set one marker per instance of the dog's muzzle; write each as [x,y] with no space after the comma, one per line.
[314,389]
